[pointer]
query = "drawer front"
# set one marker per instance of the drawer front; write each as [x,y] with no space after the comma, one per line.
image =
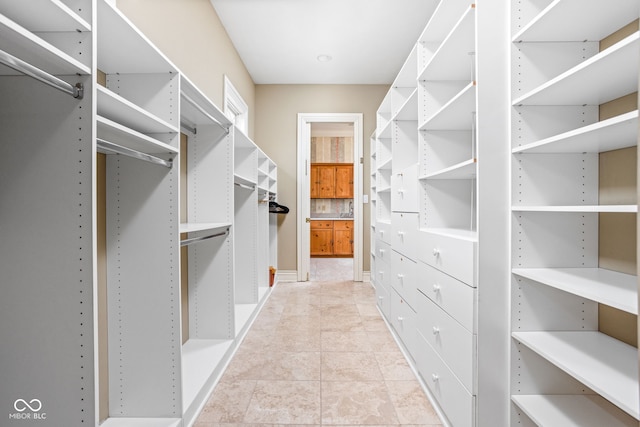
[404,233]
[404,190]
[383,251]
[342,225]
[456,402]
[383,266]
[323,225]
[383,301]
[404,277]
[383,232]
[455,345]
[403,320]
[453,296]
[456,257]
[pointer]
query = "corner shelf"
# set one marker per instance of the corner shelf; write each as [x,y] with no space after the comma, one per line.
[456,113]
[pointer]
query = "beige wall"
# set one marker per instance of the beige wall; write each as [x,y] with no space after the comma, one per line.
[191,35]
[277,107]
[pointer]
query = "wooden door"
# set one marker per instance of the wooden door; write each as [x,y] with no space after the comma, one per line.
[343,238]
[314,184]
[344,181]
[327,181]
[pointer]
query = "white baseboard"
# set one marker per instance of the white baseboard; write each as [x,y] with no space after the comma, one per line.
[286,276]
[366,276]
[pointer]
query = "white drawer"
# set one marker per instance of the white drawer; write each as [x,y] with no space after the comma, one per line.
[404,233]
[455,297]
[456,401]
[404,190]
[404,277]
[383,251]
[454,256]
[383,231]
[403,320]
[383,301]
[455,345]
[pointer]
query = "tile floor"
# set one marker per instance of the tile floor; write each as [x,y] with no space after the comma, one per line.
[318,354]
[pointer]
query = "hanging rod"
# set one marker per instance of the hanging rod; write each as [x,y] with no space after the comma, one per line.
[110,147]
[202,110]
[186,242]
[245,186]
[17,64]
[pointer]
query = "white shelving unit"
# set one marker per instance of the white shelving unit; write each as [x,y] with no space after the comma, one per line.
[93,253]
[565,370]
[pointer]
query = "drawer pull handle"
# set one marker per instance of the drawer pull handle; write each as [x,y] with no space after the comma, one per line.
[400,276]
[435,378]
[401,233]
[380,298]
[436,330]
[400,318]
[436,252]
[436,288]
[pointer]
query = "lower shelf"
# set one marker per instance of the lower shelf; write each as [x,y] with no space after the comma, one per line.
[572,411]
[142,422]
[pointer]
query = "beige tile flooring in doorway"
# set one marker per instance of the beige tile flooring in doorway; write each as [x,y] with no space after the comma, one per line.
[318,354]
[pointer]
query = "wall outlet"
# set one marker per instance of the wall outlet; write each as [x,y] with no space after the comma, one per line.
[365,198]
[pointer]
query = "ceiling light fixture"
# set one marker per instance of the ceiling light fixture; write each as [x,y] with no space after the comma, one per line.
[324,58]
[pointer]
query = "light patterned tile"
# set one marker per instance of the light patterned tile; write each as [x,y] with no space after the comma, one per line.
[331,310]
[348,366]
[394,366]
[274,366]
[356,402]
[382,341]
[228,402]
[348,323]
[374,324]
[345,341]
[368,310]
[285,402]
[412,405]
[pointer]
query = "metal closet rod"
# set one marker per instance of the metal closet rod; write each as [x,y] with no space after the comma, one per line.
[115,148]
[202,110]
[18,64]
[245,186]
[186,242]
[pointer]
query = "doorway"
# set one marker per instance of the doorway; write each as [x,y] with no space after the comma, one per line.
[329,222]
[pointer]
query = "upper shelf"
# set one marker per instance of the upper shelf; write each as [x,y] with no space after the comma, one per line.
[590,82]
[608,287]
[579,208]
[44,16]
[407,75]
[455,114]
[604,364]
[611,134]
[455,58]
[116,133]
[463,170]
[22,43]
[409,110]
[123,49]
[443,19]
[197,109]
[598,19]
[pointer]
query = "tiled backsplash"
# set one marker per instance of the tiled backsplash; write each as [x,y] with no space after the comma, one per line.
[331,206]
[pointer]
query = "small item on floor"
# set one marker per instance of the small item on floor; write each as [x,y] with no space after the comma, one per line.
[275,207]
[272,275]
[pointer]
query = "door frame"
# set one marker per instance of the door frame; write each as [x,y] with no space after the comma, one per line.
[303,187]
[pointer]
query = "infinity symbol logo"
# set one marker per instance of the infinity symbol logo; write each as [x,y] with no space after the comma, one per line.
[21,405]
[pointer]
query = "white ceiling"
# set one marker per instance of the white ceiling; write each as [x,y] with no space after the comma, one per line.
[279,40]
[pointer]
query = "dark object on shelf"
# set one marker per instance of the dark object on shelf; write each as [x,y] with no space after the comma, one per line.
[277,208]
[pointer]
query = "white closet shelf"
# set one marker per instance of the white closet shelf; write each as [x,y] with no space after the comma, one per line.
[598,19]
[51,16]
[572,411]
[455,114]
[386,165]
[607,366]
[463,170]
[443,19]
[116,108]
[385,130]
[193,227]
[454,59]
[578,208]
[238,179]
[607,287]
[611,134]
[456,233]
[129,138]
[22,43]
[200,359]
[407,75]
[385,189]
[123,49]
[142,422]
[197,108]
[589,82]
[242,141]
[409,110]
